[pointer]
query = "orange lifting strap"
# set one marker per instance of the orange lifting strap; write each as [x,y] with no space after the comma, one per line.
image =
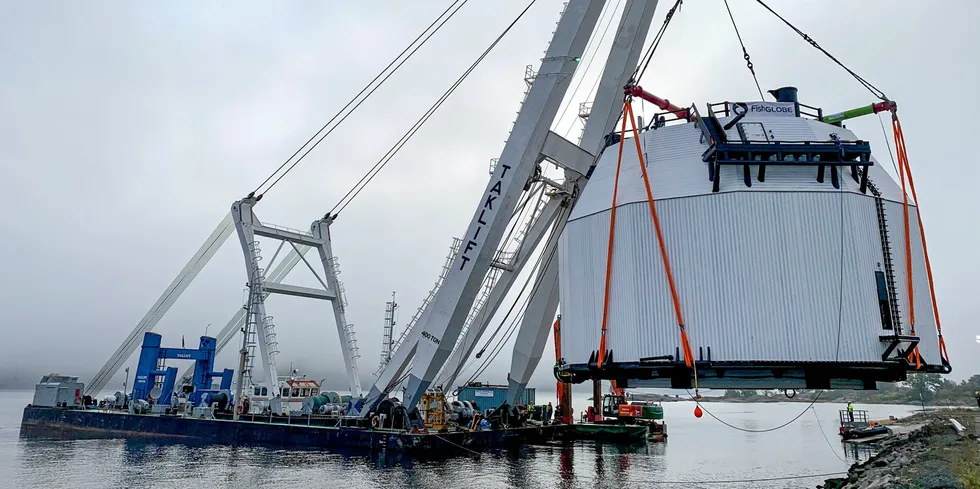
[688,354]
[903,170]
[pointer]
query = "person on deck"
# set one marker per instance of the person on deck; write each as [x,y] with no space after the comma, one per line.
[549,411]
[850,410]
[977,395]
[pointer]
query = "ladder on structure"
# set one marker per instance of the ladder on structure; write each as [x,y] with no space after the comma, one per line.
[504,259]
[257,295]
[349,339]
[432,293]
[891,319]
[887,256]
[388,333]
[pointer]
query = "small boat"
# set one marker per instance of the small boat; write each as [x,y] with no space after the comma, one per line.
[855,425]
[294,390]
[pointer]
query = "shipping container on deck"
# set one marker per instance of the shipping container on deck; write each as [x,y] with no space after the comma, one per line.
[491,396]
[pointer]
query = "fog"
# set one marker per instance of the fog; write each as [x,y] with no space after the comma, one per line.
[128,130]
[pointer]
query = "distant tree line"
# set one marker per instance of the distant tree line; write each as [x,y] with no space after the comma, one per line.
[928,389]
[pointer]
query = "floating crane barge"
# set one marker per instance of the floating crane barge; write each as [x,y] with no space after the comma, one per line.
[197,413]
[786,280]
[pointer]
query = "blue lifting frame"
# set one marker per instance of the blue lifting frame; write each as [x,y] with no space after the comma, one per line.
[147,370]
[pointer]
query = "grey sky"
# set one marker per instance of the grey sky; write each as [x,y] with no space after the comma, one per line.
[128,130]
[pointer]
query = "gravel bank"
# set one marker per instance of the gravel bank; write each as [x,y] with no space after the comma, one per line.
[932,457]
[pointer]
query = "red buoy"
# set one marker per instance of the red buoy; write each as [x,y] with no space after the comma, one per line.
[697,412]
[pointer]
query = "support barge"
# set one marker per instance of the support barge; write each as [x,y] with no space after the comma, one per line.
[282,431]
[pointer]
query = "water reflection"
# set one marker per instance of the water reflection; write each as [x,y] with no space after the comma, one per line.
[517,474]
[566,466]
[860,452]
[698,449]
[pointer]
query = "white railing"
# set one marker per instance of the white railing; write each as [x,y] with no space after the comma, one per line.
[432,293]
[287,229]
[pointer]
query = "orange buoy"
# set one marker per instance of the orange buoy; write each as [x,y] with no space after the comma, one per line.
[697,412]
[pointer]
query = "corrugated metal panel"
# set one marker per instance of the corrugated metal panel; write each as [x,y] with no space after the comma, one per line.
[758,274]
[671,142]
[492,397]
[673,157]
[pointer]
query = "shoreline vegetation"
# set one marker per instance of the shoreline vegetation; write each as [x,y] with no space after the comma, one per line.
[919,389]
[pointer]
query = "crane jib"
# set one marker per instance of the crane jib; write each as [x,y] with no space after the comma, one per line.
[491,196]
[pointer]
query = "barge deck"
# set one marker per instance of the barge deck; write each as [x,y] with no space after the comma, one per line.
[41,419]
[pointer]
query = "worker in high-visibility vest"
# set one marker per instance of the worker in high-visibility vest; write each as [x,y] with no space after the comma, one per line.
[850,410]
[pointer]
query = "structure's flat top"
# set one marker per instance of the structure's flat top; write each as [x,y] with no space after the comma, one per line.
[676,170]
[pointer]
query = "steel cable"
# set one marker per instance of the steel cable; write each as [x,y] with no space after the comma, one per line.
[460,5]
[871,88]
[747,430]
[745,52]
[366,179]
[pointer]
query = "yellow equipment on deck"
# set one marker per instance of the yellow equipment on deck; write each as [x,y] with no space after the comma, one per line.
[434,409]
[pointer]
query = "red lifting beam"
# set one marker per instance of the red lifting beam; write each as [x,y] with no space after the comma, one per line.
[664,104]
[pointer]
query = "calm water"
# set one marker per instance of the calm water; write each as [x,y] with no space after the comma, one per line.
[697,450]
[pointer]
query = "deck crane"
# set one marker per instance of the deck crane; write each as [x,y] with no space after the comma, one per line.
[604,113]
[432,339]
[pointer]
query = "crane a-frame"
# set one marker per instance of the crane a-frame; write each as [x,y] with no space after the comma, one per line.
[257,327]
[432,339]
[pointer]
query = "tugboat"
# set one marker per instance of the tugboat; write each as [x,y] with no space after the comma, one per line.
[294,391]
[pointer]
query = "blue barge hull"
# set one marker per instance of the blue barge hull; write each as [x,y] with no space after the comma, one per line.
[228,432]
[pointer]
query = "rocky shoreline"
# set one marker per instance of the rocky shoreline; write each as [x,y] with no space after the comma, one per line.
[935,456]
